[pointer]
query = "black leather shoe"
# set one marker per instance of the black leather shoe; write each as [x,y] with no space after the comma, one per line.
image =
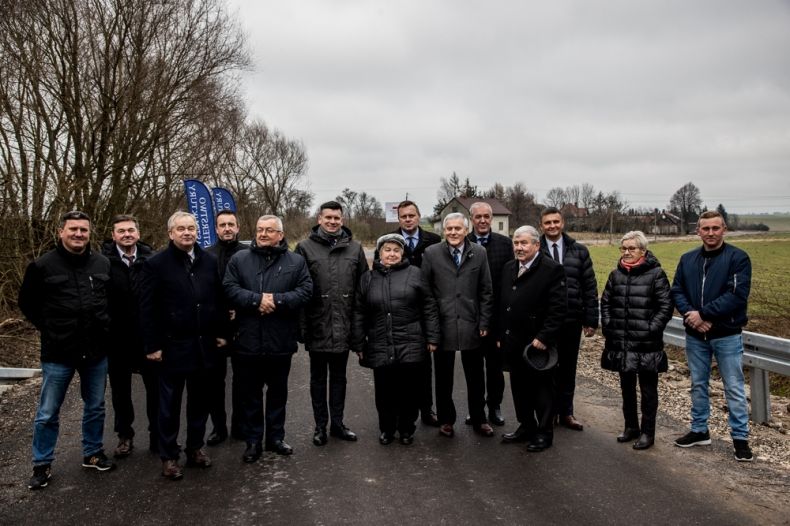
[319,436]
[252,453]
[280,447]
[343,433]
[645,441]
[495,416]
[628,434]
[216,437]
[519,435]
[406,440]
[538,444]
[429,417]
[385,439]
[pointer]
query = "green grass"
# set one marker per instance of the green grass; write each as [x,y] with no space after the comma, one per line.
[769,302]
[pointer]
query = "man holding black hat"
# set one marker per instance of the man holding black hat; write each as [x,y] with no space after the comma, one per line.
[533,304]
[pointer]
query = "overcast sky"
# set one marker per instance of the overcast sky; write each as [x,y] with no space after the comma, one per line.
[636,96]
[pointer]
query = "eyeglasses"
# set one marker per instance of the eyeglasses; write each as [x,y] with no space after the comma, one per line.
[75,214]
[267,231]
[630,249]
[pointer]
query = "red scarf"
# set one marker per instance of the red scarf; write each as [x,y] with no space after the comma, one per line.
[630,266]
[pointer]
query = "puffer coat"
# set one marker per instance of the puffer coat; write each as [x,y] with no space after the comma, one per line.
[395,316]
[335,270]
[636,306]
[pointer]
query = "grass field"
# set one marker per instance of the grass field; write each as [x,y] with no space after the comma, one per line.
[769,302]
[776,222]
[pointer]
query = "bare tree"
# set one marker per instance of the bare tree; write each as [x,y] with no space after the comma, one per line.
[556,197]
[686,203]
[573,194]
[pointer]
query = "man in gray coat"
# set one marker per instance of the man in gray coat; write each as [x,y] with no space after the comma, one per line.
[457,274]
[336,263]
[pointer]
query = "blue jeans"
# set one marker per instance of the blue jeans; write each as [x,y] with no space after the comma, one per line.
[728,351]
[56,380]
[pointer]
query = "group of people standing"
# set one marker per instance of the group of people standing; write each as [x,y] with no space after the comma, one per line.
[519,305]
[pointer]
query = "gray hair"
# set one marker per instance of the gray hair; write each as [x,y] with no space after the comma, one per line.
[455,216]
[269,217]
[529,231]
[480,204]
[171,221]
[638,236]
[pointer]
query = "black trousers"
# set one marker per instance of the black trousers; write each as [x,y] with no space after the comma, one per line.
[565,376]
[171,390]
[444,366]
[532,397]
[217,376]
[648,388]
[333,365]
[495,378]
[254,374]
[120,373]
[397,396]
[425,382]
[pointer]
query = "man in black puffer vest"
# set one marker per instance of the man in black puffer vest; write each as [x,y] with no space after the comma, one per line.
[582,309]
[126,354]
[64,294]
[227,227]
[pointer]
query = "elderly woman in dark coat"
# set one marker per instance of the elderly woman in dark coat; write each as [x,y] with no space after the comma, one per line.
[635,307]
[395,326]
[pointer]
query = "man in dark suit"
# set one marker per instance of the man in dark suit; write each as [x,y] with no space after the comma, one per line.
[456,273]
[183,321]
[417,240]
[499,250]
[582,313]
[127,254]
[533,302]
[227,228]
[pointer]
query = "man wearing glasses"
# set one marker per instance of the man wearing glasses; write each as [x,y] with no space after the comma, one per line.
[64,294]
[267,286]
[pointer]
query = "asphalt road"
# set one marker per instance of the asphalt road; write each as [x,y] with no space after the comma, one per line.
[586,478]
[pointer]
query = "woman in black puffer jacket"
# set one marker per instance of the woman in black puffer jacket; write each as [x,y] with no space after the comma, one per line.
[396,324]
[635,307]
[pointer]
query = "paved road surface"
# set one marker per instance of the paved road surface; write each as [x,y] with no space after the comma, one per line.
[587,478]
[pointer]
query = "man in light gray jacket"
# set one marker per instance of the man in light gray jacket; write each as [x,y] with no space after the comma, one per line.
[457,274]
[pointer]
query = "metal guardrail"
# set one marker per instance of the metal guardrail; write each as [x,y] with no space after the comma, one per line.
[761,354]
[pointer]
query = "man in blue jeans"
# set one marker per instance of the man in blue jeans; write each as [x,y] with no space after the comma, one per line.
[64,294]
[711,289]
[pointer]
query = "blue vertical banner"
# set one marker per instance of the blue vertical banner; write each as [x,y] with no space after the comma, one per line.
[223,200]
[199,202]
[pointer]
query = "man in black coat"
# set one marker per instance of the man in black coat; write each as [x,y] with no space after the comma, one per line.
[456,274]
[64,294]
[336,263]
[126,354]
[184,321]
[267,286]
[582,311]
[417,240]
[533,302]
[499,250]
[227,228]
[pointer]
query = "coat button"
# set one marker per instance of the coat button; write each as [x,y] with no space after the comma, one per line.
[508,309]
[514,287]
[507,331]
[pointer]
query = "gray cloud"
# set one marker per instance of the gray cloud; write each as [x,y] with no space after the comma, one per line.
[639,97]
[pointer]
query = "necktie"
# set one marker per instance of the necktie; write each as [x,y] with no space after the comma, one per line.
[128,260]
[521,269]
[556,253]
[457,257]
[481,241]
[411,244]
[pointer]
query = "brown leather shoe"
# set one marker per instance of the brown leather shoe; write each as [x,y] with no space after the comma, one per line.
[484,429]
[171,470]
[447,430]
[198,459]
[571,423]
[124,448]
